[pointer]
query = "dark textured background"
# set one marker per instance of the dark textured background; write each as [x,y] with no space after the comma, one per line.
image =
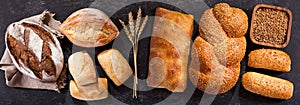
[14,10]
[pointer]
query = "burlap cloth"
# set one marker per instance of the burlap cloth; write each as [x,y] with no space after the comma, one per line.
[14,78]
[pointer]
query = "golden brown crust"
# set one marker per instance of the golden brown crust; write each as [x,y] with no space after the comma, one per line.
[170,70]
[233,20]
[169,49]
[270,59]
[207,73]
[183,21]
[267,85]
[95,91]
[89,28]
[218,50]
[230,52]
[115,66]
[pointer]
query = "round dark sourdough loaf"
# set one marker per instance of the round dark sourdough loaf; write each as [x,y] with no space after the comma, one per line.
[34,48]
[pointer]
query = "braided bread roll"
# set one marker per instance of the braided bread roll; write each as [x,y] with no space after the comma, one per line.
[217,52]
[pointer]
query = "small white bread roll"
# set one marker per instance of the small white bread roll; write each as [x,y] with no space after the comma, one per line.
[85,85]
[82,68]
[95,91]
[115,66]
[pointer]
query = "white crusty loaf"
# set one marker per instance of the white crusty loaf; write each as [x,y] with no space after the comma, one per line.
[89,27]
[82,68]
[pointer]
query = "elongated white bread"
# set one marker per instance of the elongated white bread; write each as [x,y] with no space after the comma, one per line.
[169,50]
[115,66]
[82,68]
[268,86]
[270,59]
[95,91]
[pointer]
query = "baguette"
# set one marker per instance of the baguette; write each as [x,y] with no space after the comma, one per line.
[270,59]
[267,86]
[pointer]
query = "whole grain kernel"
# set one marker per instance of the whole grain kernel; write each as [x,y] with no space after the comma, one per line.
[270,26]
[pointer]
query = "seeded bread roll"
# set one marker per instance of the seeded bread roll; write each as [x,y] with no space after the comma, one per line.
[89,27]
[267,85]
[270,59]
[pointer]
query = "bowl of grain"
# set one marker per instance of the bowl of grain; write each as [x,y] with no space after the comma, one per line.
[271,26]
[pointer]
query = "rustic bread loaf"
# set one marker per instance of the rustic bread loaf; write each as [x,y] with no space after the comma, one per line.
[270,59]
[89,27]
[169,50]
[115,66]
[217,52]
[34,48]
[268,86]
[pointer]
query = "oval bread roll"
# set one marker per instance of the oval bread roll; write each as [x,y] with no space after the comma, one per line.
[270,59]
[89,27]
[267,85]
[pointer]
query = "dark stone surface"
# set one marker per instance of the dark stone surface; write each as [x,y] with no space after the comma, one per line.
[14,10]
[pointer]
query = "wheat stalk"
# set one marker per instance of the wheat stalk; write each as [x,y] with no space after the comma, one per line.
[126,31]
[143,25]
[133,35]
[138,20]
[131,24]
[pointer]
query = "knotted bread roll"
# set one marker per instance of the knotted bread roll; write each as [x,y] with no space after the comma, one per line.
[217,52]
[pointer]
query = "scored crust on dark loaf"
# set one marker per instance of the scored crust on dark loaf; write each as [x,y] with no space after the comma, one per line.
[34,48]
[27,56]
